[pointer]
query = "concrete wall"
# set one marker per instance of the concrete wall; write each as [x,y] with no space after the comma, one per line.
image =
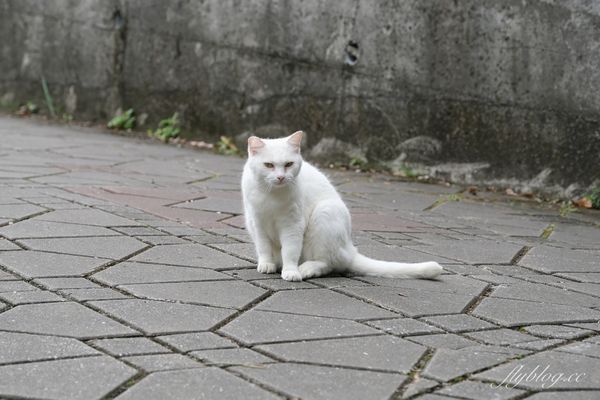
[512,83]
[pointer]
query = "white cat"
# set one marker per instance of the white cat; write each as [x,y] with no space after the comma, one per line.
[295,215]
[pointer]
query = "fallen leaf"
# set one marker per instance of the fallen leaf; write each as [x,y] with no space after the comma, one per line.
[583,202]
[511,192]
[472,190]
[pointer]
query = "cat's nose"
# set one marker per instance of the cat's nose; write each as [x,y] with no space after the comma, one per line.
[280,178]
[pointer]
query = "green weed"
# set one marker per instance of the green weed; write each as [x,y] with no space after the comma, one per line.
[125,120]
[226,146]
[168,128]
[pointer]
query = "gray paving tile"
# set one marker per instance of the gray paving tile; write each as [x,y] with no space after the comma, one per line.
[501,337]
[5,245]
[87,216]
[193,384]
[323,303]
[557,331]
[458,323]
[218,293]
[559,365]
[66,283]
[18,211]
[552,259]
[586,348]
[32,264]
[538,345]
[129,272]
[475,251]
[413,302]
[444,341]
[102,247]
[158,317]
[448,364]
[161,240]
[190,255]
[29,297]
[479,390]
[85,294]
[196,341]
[250,327]
[545,294]
[34,228]
[419,385]
[162,362]
[517,312]
[279,284]
[238,356]
[61,379]
[129,346]
[21,347]
[63,319]
[573,395]
[325,382]
[591,277]
[385,352]
[404,326]
[16,286]
[445,284]
[337,282]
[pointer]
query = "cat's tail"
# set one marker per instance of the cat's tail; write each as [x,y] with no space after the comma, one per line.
[363,265]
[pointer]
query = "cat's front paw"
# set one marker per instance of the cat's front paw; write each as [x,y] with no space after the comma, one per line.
[266,267]
[291,275]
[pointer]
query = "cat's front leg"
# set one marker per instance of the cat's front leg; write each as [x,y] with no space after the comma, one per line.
[291,248]
[264,250]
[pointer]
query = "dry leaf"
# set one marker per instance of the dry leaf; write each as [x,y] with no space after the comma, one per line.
[584,202]
[472,190]
[511,192]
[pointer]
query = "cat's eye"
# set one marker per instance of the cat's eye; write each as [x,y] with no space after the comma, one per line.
[288,164]
[269,165]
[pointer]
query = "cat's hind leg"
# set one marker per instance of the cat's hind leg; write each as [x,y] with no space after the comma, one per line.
[314,269]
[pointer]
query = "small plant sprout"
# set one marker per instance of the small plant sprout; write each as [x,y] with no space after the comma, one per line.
[123,121]
[226,146]
[168,128]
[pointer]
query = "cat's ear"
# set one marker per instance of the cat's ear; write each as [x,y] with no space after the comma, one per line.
[296,140]
[254,145]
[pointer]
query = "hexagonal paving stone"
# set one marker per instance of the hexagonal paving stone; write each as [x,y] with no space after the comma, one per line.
[63,319]
[322,303]
[189,255]
[33,228]
[404,326]
[558,375]
[129,272]
[104,247]
[475,251]
[62,379]
[159,317]
[447,364]
[162,362]
[196,341]
[18,211]
[552,259]
[194,384]
[413,302]
[373,352]
[479,390]
[87,216]
[129,346]
[32,264]
[238,356]
[545,294]
[20,347]
[517,312]
[315,382]
[218,293]
[458,323]
[264,327]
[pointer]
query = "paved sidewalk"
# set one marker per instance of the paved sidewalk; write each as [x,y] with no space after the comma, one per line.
[125,273]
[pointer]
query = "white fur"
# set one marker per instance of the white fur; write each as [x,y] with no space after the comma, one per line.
[302,219]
